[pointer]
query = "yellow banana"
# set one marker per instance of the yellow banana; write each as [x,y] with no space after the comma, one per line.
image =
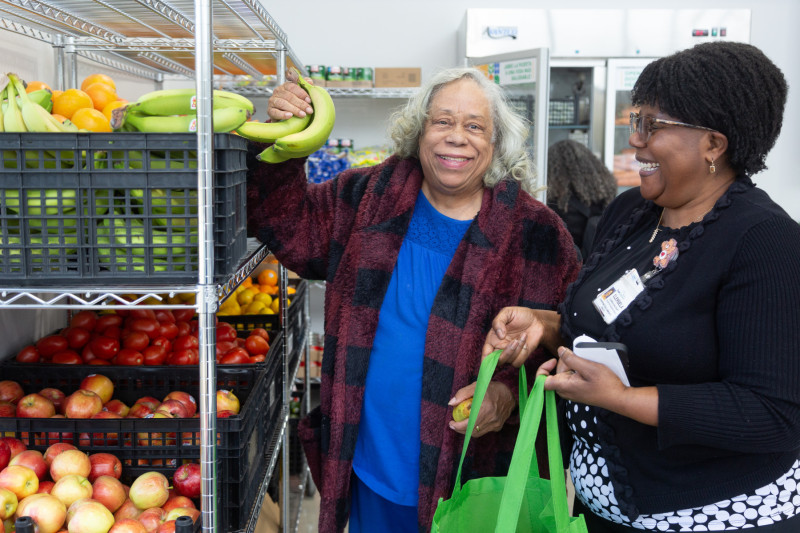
[316,134]
[270,155]
[183,102]
[225,119]
[269,132]
[12,118]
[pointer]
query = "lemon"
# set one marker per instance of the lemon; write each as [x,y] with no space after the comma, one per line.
[276,304]
[264,298]
[254,308]
[245,297]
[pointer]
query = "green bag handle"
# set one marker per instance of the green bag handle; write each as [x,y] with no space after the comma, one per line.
[525,454]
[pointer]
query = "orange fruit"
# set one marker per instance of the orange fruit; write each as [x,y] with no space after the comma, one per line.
[36,85]
[101,95]
[94,78]
[89,118]
[56,93]
[111,106]
[268,277]
[68,102]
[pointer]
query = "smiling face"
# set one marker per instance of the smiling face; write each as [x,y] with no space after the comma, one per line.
[456,148]
[674,166]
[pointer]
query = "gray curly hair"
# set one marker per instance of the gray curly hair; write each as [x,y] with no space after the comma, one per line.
[510,159]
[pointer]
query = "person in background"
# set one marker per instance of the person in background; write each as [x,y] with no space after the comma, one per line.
[704,270]
[579,187]
[418,254]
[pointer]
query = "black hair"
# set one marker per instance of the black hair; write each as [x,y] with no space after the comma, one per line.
[730,87]
[573,169]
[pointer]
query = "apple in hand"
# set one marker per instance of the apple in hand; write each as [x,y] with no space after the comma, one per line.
[100,385]
[10,391]
[187,480]
[461,411]
[8,503]
[72,488]
[150,489]
[34,460]
[20,480]
[47,512]
[109,491]
[104,464]
[227,401]
[89,516]
[127,525]
[82,404]
[70,462]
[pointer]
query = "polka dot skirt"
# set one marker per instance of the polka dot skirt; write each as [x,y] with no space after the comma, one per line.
[772,503]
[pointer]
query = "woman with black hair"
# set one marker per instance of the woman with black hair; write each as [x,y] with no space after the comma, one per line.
[579,187]
[696,272]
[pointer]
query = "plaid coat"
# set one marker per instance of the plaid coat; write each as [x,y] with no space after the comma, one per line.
[348,232]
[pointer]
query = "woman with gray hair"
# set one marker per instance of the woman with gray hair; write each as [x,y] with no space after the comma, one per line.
[419,253]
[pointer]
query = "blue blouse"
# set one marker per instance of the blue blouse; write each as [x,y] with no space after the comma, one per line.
[387,450]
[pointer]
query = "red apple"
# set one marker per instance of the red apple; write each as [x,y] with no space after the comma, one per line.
[34,460]
[10,391]
[5,455]
[168,526]
[139,410]
[187,480]
[173,408]
[82,404]
[45,487]
[104,464]
[8,503]
[55,449]
[227,401]
[118,407]
[109,491]
[149,401]
[56,396]
[35,406]
[89,516]
[14,444]
[71,488]
[47,512]
[225,414]
[152,518]
[127,525]
[70,462]
[20,480]
[127,510]
[150,489]
[7,409]
[191,512]
[186,399]
[100,385]
[176,501]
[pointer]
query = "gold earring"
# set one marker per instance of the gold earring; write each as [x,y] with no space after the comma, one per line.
[712,168]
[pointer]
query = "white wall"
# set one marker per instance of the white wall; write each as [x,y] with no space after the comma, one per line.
[422,33]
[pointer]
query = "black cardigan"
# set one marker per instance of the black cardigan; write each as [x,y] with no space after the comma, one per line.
[718,332]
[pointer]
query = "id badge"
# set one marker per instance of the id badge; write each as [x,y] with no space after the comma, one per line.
[615,299]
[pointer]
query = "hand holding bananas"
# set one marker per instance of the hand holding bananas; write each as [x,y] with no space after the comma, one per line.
[299,130]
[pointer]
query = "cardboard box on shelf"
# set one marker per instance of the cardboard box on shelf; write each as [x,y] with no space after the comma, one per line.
[398,77]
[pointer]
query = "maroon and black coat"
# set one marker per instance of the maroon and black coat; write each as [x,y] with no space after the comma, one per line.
[348,232]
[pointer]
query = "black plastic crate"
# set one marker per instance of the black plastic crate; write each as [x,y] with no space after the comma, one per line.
[116,207]
[163,444]
[270,322]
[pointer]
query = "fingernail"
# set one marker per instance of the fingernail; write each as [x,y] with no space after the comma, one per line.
[451,426]
[452,401]
[561,350]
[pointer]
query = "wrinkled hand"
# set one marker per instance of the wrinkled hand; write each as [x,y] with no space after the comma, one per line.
[497,406]
[289,99]
[580,380]
[518,331]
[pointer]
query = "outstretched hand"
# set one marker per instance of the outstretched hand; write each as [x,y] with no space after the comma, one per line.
[289,99]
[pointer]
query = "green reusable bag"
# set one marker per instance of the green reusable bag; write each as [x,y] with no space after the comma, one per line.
[521,502]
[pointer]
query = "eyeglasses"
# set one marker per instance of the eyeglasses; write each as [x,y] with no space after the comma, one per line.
[644,125]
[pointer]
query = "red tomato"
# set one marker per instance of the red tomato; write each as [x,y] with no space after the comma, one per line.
[67,357]
[187,356]
[76,336]
[87,354]
[256,345]
[136,312]
[51,344]
[154,355]
[225,332]
[258,358]
[240,342]
[261,332]
[128,357]
[136,340]
[183,315]
[168,330]
[150,326]
[185,341]
[104,347]
[194,325]
[115,332]
[183,328]
[224,346]
[162,341]
[84,319]
[236,356]
[165,316]
[29,354]
[105,321]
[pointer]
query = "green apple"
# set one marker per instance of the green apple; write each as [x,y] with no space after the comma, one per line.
[461,411]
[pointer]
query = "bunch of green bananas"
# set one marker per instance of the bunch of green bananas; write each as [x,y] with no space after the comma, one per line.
[21,112]
[295,136]
[175,111]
